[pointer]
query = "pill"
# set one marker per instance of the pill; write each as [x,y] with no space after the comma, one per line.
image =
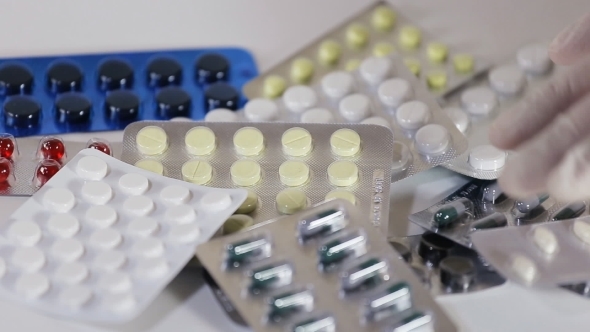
[115,74]
[118,302]
[101,145]
[570,211]
[296,142]
[299,98]
[394,92]
[215,201]
[22,112]
[8,146]
[355,107]
[401,157]
[383,49]
[200,141]
[357,35]
[175,194]
[463,63]
[109,260]
[44,171]
[148,247]
[151,140]
[67,250]
[184,233]
[352,65]
[139,205]
[288,303]
[151,268]
[245,173]
[133,184]
[92,168]
[101,216]
[343,173]
[345,142]
[545,240]
[289,201]
[317,115]
[261,110]
[507,80]
[319,323]
[524,268]
[493,193]
[294,173]
[344,247]
[437,80]
[221,95]
[221,115]
[437,52]
[321,224]
[404,252]
[416,321]
[432,139]
[383,18]
[479,100]
[412,115]
[247,251]
[250,204]
[197,172]
[237,223]
[524,207]
[337,84]
[63,225]
[15,79]
[534,59]
[151,165]
[105,238]
[377,120]
[269,276]
[75,296]
[394,299]
[248,141]
[413,65]
[143,227]
[72,108]
[459,118]
[301,70]
[368,273]
[59,199]
[28,259]
[52,148]
[32,285]
[163,71]
[433,248]
[410,37]
[180,214]
[487,158]
[211,68]
[329,52]
[121,106]
[375,69]
[26,233]
[457,272]
[582,231]
[341,194]
[97,192]
[494,220]
[273,86]
[452,213]
[115,282]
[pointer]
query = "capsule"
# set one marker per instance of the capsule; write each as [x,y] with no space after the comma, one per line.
[494,220]
[335,251]
[322,224]
[457,273]
[451,213]
[366,274]
[525,207]
[247,251]
[322,323]
[286,304]
[492,193]
[394,299]
[270,276]
[570,211]
[433,248]
[413,322]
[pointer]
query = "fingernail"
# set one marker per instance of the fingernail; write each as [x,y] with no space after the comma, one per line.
[564,37]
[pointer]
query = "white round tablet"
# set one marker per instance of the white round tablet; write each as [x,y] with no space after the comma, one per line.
[412,115]
[459,118]
[32,285]
[107,238]
[28,259]
[355,107]
[394,92]
[97,192]
[175,195]
[524,268]
[26,233]
[181,234]
[534,59]
[377,120]
[115,282]
[109,260]
[299,98]
[221,115]
[92,168]
[143,226]
[151,268]
[317,115]
[101,216]
[261,110]
[487,158]
[139,205]
[148,247]
[215,201]
[59,199]
[507,80]
[180,214]
[375,69]
[337,84]
[479,100]
[432,139]
[134,184]
[71,273]
[67,250]
[63,225]
[118,302]
[75,296]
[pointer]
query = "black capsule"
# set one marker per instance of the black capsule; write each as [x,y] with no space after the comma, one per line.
[211,68]
[162,72]
[433,248]
[457,273]
[14,80]
[121,106]
[402,250]
[73,108]
[21,112]
[64,77]
[221,95]
[115,74]
[173,102]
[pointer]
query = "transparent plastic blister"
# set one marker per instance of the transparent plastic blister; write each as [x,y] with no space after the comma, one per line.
[364,290]
[482,205]
[28,163]
[101,239]
[286,167]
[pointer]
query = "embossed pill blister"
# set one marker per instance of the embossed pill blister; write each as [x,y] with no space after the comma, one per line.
[101,239]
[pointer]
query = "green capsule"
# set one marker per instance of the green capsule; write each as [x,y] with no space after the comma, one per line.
[451,213]
[270,276]
[337,250]
[324,323]
[247,251]
[366,274]
[414,321]
[322,224]
[570,211]
[494,220]
[288,303]
[394,299]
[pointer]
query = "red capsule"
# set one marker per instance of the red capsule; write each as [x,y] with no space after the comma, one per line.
[46,169]
[100,145]
[7,146]
[52,148]
[5,170]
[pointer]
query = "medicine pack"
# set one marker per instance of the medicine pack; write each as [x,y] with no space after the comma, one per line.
[98,92]
[101,239]
[539,255]
[474,107]
[26,164]
[285,167]
[322,269]
[481,205]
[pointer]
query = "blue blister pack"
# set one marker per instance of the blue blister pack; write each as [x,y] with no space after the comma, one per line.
[100,92]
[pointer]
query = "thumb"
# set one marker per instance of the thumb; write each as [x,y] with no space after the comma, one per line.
[570,180]
[572,43]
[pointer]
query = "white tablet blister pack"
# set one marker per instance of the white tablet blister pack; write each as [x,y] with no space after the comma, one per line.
[474,107]
[539,255]
[101,239]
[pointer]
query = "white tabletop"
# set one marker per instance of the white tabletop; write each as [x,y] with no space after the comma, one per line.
[273,30]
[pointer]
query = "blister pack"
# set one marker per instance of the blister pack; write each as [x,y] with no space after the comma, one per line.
[474,107]
[539,255]
[27,163]
[285,166]
[481,205]
[380,31]
[101,239]
[322,269]
[97,92]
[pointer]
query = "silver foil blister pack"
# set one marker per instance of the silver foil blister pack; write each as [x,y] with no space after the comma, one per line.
[322,269]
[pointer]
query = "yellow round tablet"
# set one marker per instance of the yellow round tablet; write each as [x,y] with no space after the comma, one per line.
[273,86]
[341,194]
[197,172]
[352,65]
[237,223]
[293,173]
[250,204]
[345,142]
[357,35]
[151,165]
[200,141]
[245,173]
[301,70]
[249,141]
[410,37]
[151,140]
[343,173]
[296,142]
[290,201]
[383,49]
[436,80]
[463,63]
[413,65]
[437,52]
[329,52]
[383,18]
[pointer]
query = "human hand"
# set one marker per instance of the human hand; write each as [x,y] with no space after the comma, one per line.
[550,129]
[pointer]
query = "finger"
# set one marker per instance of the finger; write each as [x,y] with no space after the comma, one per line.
[570,180]
[524,120]
[572,43]
[526,173]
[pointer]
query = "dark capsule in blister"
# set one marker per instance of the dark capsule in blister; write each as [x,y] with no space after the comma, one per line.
[163,72]
[365,274]
[173,102]
[64,77]
[415,321]
[457,272]
[318,323]
[221,95]
[15,79]
[494,220]
[392,300]
[22,112]
[286,304]
[115,74]
[122,106]
[247,251]
[451,213]
[433,248]
[73,108]
[570,211]
[269,276]
[323,224]
[211,68]
[335,251]
[492,193]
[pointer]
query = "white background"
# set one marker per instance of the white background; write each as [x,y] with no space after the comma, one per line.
[272,30]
